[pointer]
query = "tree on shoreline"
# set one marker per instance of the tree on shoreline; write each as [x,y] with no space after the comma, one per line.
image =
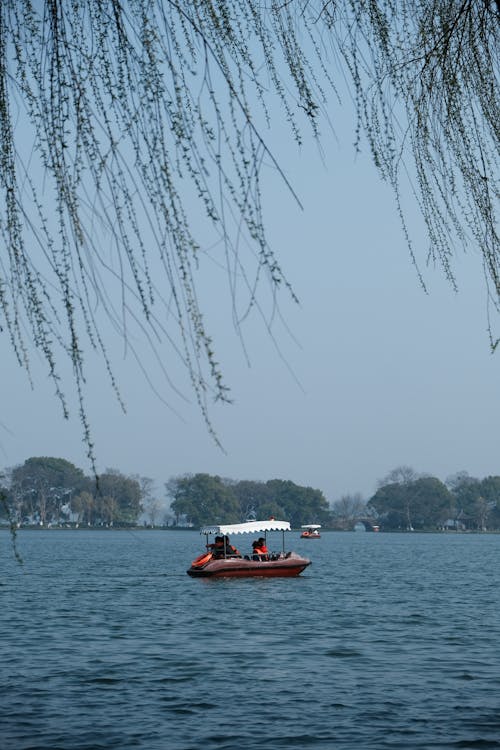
[51,489]
[405,501]
[203,499]
[46,491]
[348,509]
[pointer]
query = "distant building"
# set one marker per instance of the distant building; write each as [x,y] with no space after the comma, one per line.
[453,524]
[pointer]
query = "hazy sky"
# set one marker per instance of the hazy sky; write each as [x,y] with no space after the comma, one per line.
[378,374]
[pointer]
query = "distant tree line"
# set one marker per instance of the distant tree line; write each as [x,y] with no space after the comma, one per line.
[47,491]
[201,498]
[52,491]
[406,501]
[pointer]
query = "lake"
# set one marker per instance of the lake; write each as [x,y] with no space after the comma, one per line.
[385,641]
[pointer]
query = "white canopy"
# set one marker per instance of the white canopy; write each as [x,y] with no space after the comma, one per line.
[311,526]
[250,527]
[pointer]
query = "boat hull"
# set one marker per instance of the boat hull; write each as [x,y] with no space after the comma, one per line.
[287,566]
[305,535]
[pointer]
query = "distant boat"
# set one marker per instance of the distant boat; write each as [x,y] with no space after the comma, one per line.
[225,562]
[311,531]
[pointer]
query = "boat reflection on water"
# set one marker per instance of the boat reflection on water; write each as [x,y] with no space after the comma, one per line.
[222,559]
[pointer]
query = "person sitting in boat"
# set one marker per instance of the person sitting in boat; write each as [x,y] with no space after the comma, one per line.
[229,549]
[263,546]
[259,551]
[217,548]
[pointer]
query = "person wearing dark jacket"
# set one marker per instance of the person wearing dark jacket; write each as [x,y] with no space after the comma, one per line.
[229,549]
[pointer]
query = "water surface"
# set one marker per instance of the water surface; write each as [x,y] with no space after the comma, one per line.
[386,641]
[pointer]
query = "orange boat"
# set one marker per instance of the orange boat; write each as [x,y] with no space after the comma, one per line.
[225,563]
[311,531]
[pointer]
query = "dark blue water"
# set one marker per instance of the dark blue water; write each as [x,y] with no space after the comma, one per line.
[386,641]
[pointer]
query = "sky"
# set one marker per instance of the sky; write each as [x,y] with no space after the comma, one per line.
[373,373]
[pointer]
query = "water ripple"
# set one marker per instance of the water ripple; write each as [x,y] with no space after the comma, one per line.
[387,641]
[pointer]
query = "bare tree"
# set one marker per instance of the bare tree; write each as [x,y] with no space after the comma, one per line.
[348,509]
[400,475]
[151,505]
[481,512]
[154,508]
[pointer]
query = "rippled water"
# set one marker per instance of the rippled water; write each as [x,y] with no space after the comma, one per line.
[386,641]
